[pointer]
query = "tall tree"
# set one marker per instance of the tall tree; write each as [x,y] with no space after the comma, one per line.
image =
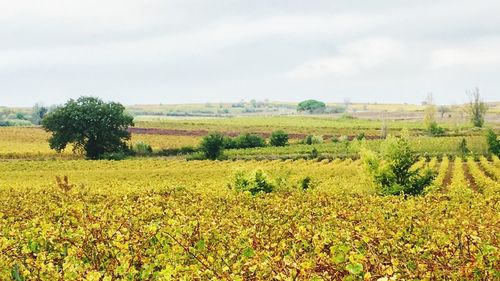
[430,111]
[89,124]
[38,112]
[476,108]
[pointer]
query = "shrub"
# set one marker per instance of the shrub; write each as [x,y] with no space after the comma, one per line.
[187,150]
[229,143]
[462,148]
[142,149]
[249,140]
[305,183]
[116,156]
[360,136]
[311,139]
[391,171]
[212,145]
[278,138]
[256,184]
[493,143]
[434,130]
[314,153]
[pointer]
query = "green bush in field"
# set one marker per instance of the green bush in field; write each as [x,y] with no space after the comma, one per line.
[360,136]
[142,149]
[434,130]
[212,145]
[249,141]
[229,142]
[278,138]
[391,170]
[463,149]
[312,139]
[256,184]
[493,143]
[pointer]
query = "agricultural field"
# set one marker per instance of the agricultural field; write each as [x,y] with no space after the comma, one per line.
[175,218]
[151,219]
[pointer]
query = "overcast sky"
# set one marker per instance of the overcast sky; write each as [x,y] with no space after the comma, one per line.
[177,51]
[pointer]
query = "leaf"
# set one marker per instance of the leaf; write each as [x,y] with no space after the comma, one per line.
[248,252]
[15,273]
[200,245]
[354,268]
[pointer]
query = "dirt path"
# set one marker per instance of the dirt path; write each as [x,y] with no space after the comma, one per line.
[447,178]
[469,177]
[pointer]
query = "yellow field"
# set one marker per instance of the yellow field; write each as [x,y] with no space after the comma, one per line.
[152,219]
[31,142]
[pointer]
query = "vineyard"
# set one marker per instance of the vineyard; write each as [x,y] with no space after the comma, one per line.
[156,219]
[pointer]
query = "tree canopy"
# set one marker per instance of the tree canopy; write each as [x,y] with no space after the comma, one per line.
[90,125]
[311,106]
[476,108]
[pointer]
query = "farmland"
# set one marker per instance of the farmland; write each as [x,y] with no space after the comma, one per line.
[176,218]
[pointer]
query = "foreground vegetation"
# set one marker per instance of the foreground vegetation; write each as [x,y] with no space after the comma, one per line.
[290,201]
[154,219]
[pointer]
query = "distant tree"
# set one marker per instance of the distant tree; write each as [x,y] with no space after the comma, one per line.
[311,106]
[443,109]
[213,145]
[20,116]
[476,108]
[91,125]
[38,112]
[430,117]
[430,110]
[384,129]
[278,138]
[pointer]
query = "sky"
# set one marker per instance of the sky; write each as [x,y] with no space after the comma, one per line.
[185,51]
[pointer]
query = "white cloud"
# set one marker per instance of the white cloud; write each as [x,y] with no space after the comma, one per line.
[188,43]
[353,58]
[480,53]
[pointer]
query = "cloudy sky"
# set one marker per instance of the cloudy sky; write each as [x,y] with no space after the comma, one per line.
[176,51]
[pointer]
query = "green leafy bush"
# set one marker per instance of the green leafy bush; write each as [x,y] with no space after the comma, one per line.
[463,149]
[392,172]
[312,139]
[255,184]
[229,143]
[360,136]
[212,145]
[493,143]
[434,130]
[142,149]
[116,156]
[278,138]
[306,183]
[249,141]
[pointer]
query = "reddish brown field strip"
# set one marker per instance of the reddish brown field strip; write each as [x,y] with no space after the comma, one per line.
[447,178]
[469,177]
[201,133]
